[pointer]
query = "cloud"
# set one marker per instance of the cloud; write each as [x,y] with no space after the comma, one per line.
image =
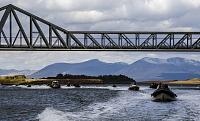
[38,60]
[127,15]
[181,15]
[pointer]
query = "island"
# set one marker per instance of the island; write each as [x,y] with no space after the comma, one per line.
[66,79]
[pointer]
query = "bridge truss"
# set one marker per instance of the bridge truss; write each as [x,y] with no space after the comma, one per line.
[23,31]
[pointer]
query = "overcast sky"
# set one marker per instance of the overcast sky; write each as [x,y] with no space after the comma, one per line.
[129,15]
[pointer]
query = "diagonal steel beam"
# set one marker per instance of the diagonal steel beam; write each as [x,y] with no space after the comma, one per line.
[196,43]
[4,18]
[59,37]
[40,32]
[4,35]
[147,41]
[93,40]
[21,28]
[110,40]
[181,41]
[5,7]
[128,40]
[16,38]
[163,42]
[77,41]
[38,18]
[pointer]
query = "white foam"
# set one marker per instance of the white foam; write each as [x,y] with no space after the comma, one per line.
[35,87]
[96,110]
[120,88]
[51,114]
[99,87]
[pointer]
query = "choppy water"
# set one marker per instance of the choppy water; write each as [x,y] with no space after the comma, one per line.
[91,103]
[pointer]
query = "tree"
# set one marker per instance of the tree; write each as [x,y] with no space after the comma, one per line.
[59,76]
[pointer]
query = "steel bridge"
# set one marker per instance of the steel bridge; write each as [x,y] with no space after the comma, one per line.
[23,31]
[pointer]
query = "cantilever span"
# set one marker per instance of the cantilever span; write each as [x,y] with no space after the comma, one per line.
[23,31]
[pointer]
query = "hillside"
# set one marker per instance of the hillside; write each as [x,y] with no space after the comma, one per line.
[162,69]
[142,70]
[91,68]
[16,72]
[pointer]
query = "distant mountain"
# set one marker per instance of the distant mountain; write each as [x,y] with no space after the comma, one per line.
[162,69]
[16,72]
[141,70]
[91,67]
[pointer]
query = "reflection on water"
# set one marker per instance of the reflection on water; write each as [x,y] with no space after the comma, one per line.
[95,103]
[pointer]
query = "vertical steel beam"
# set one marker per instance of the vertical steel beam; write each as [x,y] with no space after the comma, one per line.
[10,29]
[170,41]
[155,41]
[103,41]
[85,40]
[137,40]
[20,38]
[189,41]
[68,40]
[120,40]
[173,41]
[31,31]
[50,36]
[0,39]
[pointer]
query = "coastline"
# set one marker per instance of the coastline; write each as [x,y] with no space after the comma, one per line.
[189,82]
[71,79]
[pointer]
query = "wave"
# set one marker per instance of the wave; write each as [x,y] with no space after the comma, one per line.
[34,87]
[95,111]
[65,87]
[119,88]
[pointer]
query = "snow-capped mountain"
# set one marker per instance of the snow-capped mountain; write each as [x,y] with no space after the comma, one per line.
[143,69]
[162,69]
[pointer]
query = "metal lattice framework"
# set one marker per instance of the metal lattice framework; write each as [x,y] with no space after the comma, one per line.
[21,30]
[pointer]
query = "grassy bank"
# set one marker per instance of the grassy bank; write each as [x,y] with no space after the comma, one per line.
[189,82]
[48,81]
[194,81]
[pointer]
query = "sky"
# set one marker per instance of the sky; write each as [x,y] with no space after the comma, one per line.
[127,15]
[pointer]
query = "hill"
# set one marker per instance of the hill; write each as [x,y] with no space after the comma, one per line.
[91,68]
[142,70]
[162,69]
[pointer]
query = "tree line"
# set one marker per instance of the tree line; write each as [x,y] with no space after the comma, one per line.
[107,79]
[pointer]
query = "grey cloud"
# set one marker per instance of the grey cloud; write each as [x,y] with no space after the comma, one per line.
[38,60]
[93,14]
[129,15]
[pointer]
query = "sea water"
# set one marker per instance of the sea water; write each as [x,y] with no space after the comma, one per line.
[95,103]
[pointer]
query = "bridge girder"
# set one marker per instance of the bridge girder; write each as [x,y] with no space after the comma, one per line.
[56,38]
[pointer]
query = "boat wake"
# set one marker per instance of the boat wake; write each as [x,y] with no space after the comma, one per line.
[34,87]
[96,111]
[82,87]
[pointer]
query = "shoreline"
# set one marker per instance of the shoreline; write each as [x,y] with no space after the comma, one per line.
[189,82]
[61,81]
